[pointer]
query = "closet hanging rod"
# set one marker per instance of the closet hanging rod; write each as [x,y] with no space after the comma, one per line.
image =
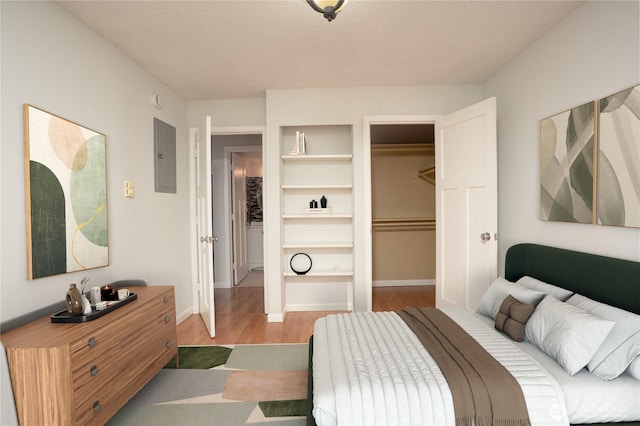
[403,224]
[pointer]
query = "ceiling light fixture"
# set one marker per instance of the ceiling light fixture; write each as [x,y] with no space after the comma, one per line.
[329,8]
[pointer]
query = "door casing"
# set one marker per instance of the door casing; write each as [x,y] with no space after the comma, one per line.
[370,120]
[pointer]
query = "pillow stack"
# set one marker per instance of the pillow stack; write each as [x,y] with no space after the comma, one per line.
[499,290]
[621,346]
[566,333]
[574,330]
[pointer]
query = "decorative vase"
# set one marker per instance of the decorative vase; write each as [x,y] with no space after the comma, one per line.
[74,300]
[86,305]
[323,202]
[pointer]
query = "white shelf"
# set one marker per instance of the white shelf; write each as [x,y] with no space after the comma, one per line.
[327,157]
[320,274]
[306,245]
[317,216]
[326,170]
[317,187]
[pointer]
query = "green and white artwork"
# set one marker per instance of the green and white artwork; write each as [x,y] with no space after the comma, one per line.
[566,165]
[66,195]
[618,172]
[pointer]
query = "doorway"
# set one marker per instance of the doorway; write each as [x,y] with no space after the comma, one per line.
[236,160]
[419,124]
[247,231]
[403,204]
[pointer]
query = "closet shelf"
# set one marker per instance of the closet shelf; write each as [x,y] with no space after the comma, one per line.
[402,149]
[403,224]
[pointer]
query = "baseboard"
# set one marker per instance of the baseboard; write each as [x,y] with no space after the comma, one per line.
[403,283]
[309,307]
[184,315]
[222,284]
[276,317]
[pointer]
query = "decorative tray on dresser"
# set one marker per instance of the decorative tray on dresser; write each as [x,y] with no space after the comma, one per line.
[65,316]
[83,373]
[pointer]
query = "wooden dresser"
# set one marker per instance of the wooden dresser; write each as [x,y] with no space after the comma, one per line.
[83,373]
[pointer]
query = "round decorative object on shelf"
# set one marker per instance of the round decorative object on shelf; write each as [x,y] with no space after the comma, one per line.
[300,263]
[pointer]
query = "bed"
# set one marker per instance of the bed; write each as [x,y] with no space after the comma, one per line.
[556,389]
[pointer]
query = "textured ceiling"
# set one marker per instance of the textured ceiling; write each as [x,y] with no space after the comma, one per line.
[238,49]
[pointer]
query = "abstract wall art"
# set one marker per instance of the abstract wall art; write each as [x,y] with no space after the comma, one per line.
[566,165]
[618,169]
[590,162]
[254,199]
[66,195]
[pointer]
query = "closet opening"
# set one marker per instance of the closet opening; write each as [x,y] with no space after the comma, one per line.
[403,205]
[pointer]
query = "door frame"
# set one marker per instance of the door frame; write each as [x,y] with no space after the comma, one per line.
[193,202]
[228,193]
[369,120]
[238,130]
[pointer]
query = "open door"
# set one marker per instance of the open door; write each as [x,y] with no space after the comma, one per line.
[466,205]
[239,218]
[206,239]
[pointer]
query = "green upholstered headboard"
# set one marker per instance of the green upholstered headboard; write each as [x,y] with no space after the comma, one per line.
[608,280]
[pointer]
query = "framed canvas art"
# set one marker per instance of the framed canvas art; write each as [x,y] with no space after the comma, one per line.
[66,195]
[567,143]
[618,172]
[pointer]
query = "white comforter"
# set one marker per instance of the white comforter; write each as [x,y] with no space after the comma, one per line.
[370,369]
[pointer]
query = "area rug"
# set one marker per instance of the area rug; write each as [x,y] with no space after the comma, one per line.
[225,385]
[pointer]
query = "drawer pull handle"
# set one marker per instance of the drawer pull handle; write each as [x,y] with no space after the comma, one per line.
[168,344]
[166,299]
[92,341]
[96,406]
[166,318]
[94,370]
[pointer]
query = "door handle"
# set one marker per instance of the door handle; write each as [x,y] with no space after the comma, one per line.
[209,239]
[485,236]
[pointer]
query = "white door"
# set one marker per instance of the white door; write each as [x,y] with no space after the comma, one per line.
[466,205]
[206,239]
[239,218]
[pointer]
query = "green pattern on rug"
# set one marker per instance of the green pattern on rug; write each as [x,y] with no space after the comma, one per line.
[195,393]
[201,357]
[295,407]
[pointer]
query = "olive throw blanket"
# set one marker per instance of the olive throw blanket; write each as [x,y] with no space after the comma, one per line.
[484,392]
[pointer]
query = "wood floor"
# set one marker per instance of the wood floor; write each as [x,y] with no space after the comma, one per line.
[240,316]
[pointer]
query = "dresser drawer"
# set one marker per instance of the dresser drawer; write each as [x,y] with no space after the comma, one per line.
[121,360]
[102,402]
[96,366]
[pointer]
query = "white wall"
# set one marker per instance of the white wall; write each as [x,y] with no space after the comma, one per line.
[53,62]
[593,53]
[339,106]
[228,112]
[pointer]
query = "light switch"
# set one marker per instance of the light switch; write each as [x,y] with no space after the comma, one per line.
[128,189]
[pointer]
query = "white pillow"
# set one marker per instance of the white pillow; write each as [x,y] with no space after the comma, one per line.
[621,346]
[566,333]
[634,368]
[559,293]
[501,288]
